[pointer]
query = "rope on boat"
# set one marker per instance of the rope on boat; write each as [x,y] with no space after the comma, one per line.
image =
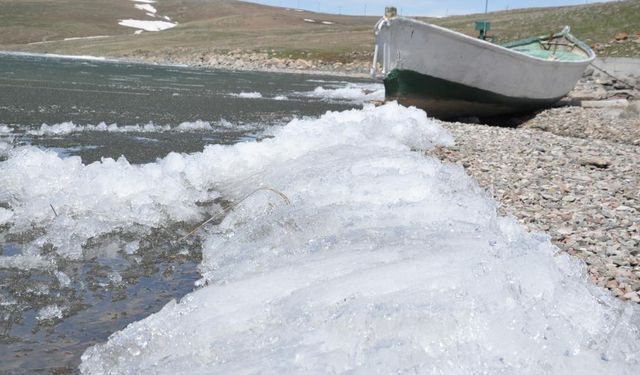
[633,87]
[231,207]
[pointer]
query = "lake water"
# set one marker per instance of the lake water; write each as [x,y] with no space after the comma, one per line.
[52,306]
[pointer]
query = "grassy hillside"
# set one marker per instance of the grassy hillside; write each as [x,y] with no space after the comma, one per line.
[223,25]
[597,24]
[26,21]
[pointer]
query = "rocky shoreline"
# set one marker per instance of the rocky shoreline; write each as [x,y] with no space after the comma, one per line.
[358,65]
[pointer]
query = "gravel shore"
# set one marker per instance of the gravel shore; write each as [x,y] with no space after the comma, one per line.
[572,173]
[358,66]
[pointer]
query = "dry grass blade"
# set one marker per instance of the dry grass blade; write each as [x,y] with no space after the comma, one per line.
[231,207]
[53,209]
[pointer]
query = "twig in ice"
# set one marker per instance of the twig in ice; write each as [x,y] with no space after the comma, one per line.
[231,207]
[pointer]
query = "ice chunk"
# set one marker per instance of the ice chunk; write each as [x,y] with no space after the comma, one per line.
[352,92]
[132,247]
[5,147]
[26,262]
[248,95]
[57,129]
[66,128]
[63,279]
[379,260]
[5,215]
[69,128]
[196,125]
[102,197]
[50,312]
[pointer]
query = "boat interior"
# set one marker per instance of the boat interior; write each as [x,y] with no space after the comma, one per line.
[558,47]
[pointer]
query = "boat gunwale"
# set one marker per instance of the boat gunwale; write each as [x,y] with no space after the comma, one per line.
[507,51]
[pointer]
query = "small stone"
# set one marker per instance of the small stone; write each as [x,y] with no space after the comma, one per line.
[619,261]
[623,208]
[596,162]
[565,231]
[612,284]
[632,296]
[622,36]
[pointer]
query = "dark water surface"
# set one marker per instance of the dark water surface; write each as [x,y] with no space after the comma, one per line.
[36,90]
[110,288]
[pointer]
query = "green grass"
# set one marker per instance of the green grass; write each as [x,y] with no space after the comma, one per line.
[593,23]
[207,26]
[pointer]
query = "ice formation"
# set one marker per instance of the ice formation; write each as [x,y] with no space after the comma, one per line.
[66,128]
[379,260]
[50,312]
[352,92]
[96,199]
[5,216]
[248,95]
[26,262]
[5,147]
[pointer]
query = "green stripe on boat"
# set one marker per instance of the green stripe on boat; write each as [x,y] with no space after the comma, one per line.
[445,99]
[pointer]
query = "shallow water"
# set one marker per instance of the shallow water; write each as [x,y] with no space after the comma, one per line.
[35,90]
[53,305]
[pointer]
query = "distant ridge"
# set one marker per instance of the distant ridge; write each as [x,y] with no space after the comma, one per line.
[221,26]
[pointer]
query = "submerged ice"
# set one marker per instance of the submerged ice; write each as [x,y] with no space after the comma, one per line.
[379,260]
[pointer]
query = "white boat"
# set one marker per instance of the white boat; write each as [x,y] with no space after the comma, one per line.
[450,74]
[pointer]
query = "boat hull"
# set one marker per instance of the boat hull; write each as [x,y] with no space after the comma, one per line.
[450,74]
[446,99]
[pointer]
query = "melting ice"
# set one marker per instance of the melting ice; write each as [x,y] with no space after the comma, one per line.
[382,260]
[347,91]
[379,259]
[66,128]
